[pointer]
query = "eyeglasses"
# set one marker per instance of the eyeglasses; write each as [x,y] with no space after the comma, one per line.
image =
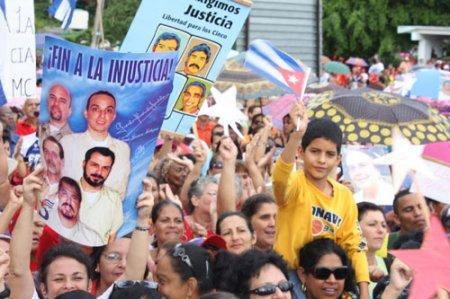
[113,257]
[322,273]
[218,133]
[125,284]
[180,252]
[270,288]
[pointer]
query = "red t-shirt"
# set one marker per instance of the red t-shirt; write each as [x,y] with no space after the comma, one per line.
[23,128]
[205,132]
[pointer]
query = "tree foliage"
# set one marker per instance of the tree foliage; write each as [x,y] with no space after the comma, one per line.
[117,18]
[366,27]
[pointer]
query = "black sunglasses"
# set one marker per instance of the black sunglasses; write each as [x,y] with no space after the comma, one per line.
[270,288]
[322,273]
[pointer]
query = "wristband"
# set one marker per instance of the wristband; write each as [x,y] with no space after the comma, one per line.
[142,228]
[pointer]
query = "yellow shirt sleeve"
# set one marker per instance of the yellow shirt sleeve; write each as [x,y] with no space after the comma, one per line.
[283,182]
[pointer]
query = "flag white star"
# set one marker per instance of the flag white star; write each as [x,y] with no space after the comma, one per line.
[404,158]
[293,79]
[225,109]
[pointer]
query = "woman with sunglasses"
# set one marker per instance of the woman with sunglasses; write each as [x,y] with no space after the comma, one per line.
[184,271]
[325,270]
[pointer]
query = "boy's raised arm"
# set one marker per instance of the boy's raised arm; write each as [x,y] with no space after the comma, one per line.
[284,165]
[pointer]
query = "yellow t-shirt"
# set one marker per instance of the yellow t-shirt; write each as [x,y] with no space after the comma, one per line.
[306,213]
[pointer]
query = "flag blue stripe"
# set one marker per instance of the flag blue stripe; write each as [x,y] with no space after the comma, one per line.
[69,5]
[285,57]
[2,95]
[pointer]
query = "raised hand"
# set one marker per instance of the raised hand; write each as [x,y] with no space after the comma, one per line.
[228,149]
[400,276]
[299,117]
[200,151]
[145,201]
[32,186]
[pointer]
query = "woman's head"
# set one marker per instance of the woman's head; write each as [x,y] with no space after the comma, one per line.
[237,232]
[64,268]
[110,261]
[373,224]
[167,218]
[325,270]
[259,274]
[202,194]
[262,210]
[184,271]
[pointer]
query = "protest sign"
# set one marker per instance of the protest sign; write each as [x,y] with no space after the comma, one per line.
[202,32]
[372,183]
[17,51]
[101,113]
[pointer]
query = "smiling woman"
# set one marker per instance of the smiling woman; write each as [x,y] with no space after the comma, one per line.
[325,270]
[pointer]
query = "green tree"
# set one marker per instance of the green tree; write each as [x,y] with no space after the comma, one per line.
[366,27]
[117,18]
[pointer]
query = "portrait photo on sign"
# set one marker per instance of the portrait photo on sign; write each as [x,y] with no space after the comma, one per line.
[168,39]
[97,136]
[371,182]
[194,93]
[198,57]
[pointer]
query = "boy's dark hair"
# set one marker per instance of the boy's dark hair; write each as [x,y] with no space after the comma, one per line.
[76,294]
[322,128]
[68,250]
[364,207]
[252,205]
[397,197]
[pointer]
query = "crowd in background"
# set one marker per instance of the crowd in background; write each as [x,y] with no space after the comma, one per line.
[219,217]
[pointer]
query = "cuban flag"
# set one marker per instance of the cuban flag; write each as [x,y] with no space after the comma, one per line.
[276,66]
[3,12]
[2,95]
[63,10]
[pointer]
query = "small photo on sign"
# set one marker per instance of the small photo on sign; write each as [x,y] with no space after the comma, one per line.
[168,39]
[195,91]
[371,182]
[198,57]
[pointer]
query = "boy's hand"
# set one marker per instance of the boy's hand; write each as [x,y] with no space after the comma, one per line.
[299,117]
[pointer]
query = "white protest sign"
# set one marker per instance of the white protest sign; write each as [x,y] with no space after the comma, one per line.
[18,49]
[435,187]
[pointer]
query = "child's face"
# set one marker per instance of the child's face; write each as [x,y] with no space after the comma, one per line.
[319,158]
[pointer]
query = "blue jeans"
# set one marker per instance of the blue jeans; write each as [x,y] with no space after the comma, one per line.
[297,292]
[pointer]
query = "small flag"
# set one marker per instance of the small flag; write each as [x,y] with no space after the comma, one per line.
[63,10]
[277,66]
[3,12]
[2,96]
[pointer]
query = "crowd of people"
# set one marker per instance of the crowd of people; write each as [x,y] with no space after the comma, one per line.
[376,74]
[218,217]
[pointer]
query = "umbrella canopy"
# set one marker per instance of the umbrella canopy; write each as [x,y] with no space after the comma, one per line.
[248,84]
[368,116]
[322,87]
[356,61]
[336,67]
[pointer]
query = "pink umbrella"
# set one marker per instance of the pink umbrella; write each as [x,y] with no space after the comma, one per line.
[278,108]
[356,61]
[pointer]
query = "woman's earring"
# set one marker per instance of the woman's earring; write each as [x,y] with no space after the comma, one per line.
[304,288]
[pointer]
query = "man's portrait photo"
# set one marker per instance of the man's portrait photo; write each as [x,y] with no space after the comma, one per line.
[192,97]
[99,113]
